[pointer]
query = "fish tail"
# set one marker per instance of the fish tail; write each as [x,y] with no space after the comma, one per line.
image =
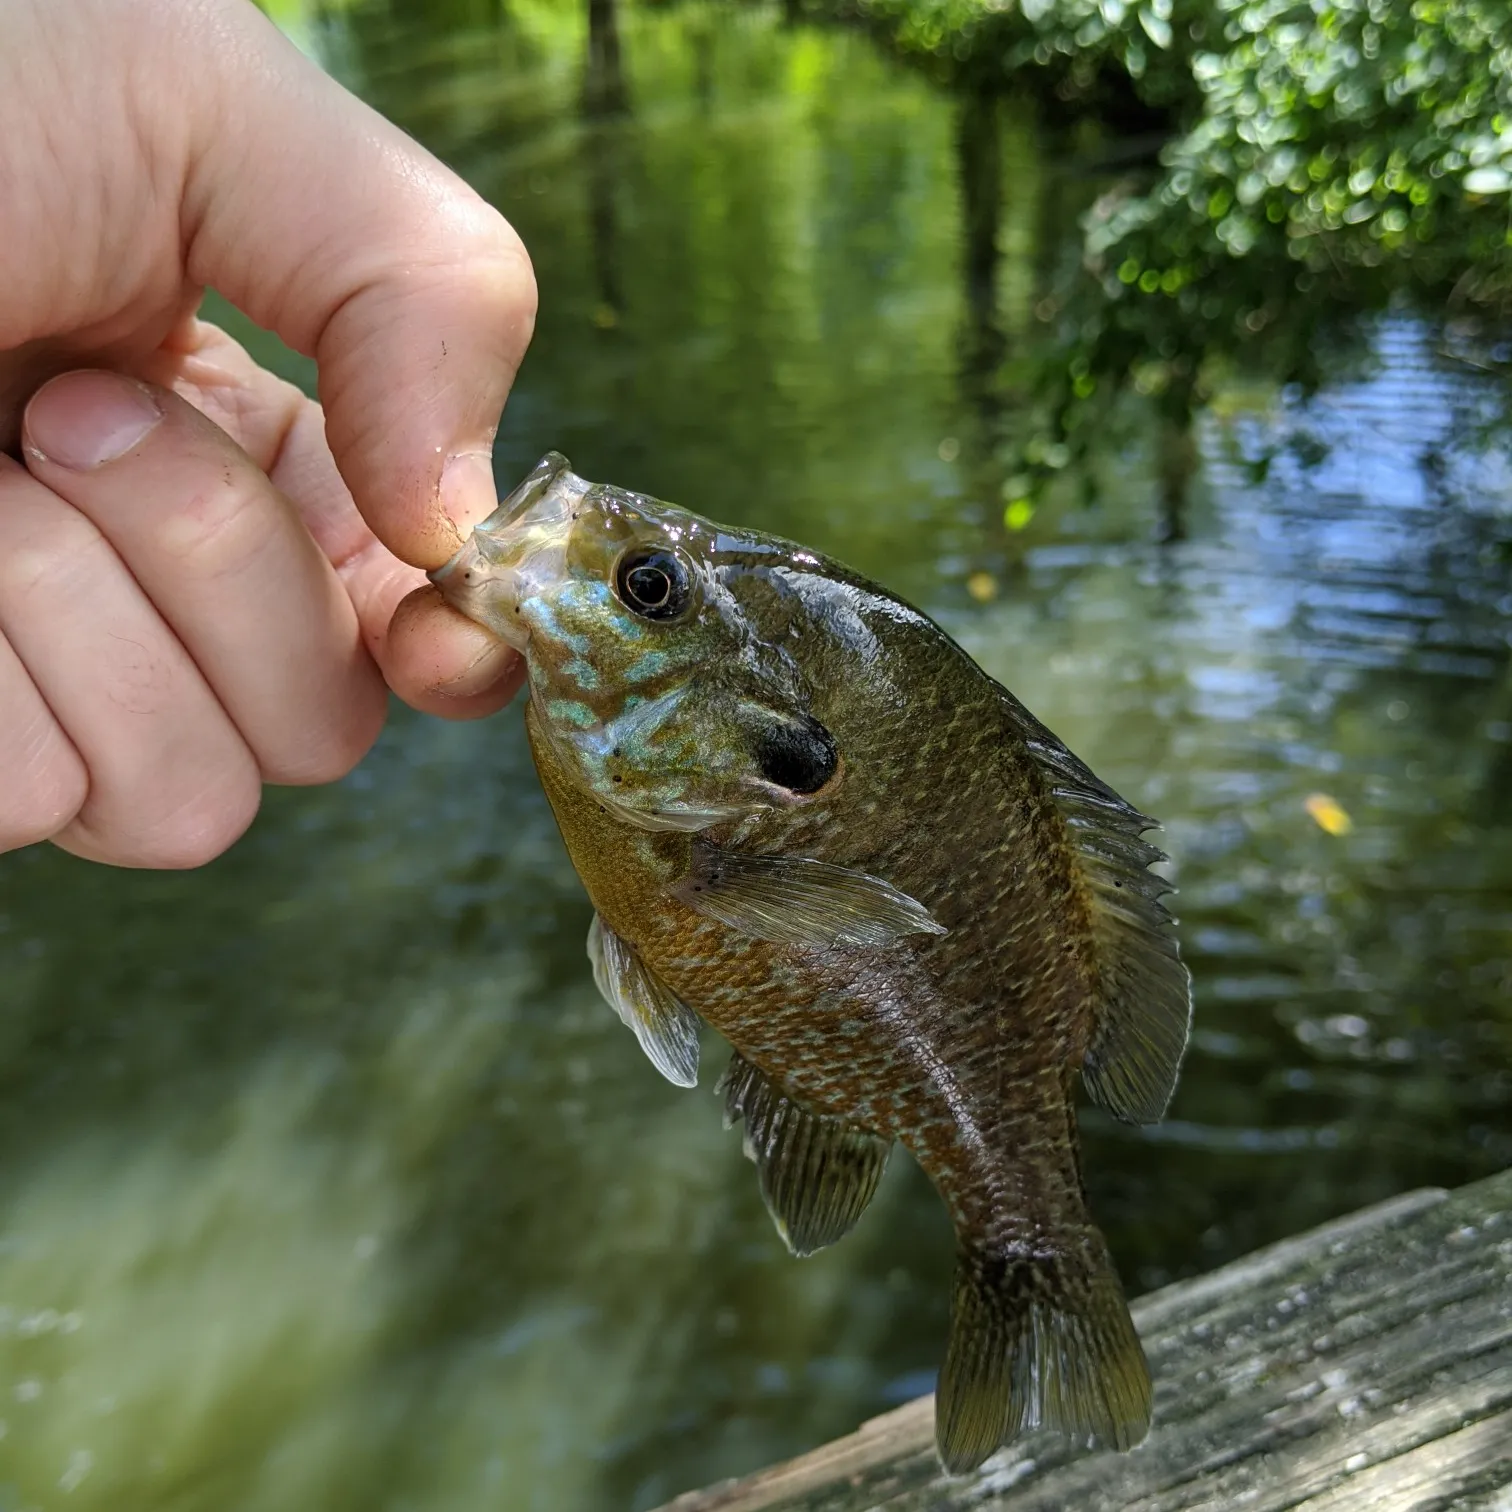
[1039,1340]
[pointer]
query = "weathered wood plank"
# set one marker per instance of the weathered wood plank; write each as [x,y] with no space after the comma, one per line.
[1365,1364]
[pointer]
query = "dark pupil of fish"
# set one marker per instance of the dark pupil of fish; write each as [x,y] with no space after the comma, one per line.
[799,756]
[654,586]
[650,586]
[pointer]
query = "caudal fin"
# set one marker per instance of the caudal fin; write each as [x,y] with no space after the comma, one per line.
[1039,1342]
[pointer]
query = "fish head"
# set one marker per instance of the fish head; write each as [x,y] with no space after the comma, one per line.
[647,676]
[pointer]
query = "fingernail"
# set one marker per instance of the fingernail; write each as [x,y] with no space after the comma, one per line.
[468,491]
[84,420]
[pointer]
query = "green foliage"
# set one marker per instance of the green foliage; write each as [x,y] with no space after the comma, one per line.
[1418,89]
[1079,44]
[1326,158]
[1350,135]
[1356,131]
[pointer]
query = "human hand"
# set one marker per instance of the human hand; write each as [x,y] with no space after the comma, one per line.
[191,603]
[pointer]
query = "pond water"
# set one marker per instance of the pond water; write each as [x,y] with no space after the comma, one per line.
[325,1179]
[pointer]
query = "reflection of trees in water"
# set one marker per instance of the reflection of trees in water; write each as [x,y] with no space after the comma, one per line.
[979,165]
[435,66]
[1017,378]
[980,343]
[606,103]
[605,92]
[1118,358]
[1494,783]
[433,18]
[1279,223]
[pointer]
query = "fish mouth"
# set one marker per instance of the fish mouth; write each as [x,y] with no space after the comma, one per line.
[552,469]
[515,552]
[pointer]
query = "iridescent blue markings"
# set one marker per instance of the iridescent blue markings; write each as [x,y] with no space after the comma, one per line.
[570,711]
[647,664]
[583,673]
[541,614]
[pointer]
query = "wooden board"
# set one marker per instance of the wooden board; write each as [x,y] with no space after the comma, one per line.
[1367,1364]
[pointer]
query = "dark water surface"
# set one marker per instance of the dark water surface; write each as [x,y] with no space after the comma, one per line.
[325,1179]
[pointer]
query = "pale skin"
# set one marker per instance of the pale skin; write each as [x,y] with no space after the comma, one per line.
[207,581]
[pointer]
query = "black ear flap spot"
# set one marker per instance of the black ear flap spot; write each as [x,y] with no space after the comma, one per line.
[797,754]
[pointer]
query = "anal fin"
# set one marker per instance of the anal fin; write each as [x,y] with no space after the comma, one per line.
[817,1172]
[665,1026]
[1039,1342]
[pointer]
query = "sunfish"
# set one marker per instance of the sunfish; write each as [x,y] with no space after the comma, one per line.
[805,816]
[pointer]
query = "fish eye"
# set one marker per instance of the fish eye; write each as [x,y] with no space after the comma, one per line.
[652,583]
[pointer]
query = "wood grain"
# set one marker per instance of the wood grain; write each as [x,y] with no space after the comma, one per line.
[1367,1364]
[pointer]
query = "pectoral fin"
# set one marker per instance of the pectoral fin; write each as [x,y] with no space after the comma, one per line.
[665,1026]
[792,900]
[817,1173]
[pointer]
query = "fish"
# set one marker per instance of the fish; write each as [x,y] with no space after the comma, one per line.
[807,818]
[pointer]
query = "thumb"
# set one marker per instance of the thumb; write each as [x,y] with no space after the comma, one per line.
[328,225]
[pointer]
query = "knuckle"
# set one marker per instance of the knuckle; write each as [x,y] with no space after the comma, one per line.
[506,278]
[478,248]
[197,831]
[44,563]
[40,804]
[339,751]
[195,840]
[354,742]
[217,530]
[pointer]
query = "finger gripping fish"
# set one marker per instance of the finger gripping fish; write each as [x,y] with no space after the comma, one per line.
[805,815]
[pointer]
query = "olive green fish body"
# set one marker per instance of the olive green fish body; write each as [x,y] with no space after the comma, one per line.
[805,816]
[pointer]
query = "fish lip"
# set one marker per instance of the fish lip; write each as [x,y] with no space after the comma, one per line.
[517,553]
[536,484]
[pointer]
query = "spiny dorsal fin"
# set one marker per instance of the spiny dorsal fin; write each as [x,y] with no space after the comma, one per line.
[793,900]
[1145,1007]
[1042,1342]
[817,1173]
[665,1026]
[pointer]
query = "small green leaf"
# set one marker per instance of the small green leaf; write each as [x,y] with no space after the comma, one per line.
[1488,180]
[1156,28]
[1018,514]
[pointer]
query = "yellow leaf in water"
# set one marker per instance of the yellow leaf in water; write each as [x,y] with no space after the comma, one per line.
[1018,514]
[605,317]
[982,586]
[1328,815]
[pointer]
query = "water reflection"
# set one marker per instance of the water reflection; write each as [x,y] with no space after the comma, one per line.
[327,1182]
[606,99]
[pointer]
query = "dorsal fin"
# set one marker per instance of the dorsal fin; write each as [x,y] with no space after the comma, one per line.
[1145,1007]
[817,1172]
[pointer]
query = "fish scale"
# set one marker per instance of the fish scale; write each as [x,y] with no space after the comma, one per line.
[807,818]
